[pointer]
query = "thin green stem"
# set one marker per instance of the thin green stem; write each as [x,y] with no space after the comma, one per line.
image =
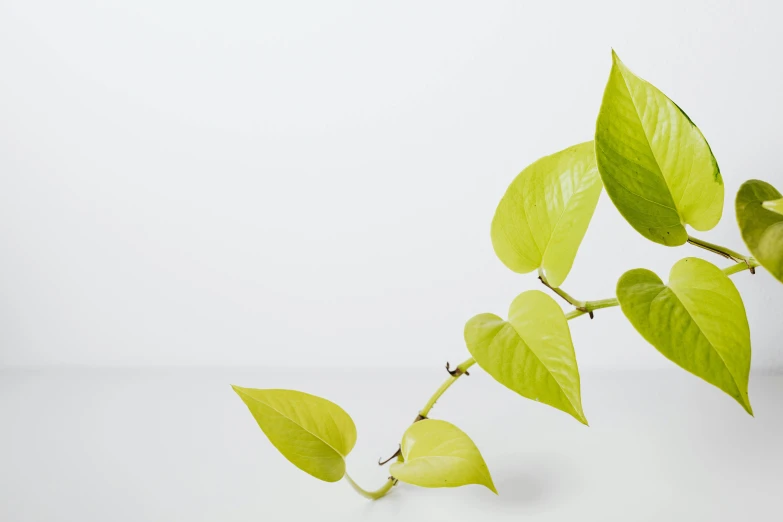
[720,250]
[582,308]
[372,495]
[590,306]
[461,370]
[601,303]
[750,264]
[559,291]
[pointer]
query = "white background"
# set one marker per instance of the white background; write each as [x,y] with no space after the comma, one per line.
[300,194]
[285,183]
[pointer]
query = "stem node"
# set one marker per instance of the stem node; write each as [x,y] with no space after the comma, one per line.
[396,454]
[456,372]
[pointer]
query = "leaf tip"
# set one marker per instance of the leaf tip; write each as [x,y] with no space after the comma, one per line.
[615,58]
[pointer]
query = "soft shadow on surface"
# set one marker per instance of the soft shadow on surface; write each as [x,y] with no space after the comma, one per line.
[534,482]
[527,484]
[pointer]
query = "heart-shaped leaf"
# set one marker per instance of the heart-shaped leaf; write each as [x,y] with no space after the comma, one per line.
[655,163]
[531,354]
[437,454]
[760,218]
[313,433]
[697,321]
[544,214]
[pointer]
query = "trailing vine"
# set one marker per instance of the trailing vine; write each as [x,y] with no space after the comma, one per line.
[661,175]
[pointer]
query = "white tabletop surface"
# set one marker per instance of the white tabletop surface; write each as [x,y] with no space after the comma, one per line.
[177,444]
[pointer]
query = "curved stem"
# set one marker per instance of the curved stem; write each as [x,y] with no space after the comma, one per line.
[372,495]
[459,372]
[720,250]
[559,291]
[582,308]
[749,264]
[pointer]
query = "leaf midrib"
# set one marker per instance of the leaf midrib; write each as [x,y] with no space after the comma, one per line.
[554,378]
[704,334]
[649,145]
[566,208]
[254,399]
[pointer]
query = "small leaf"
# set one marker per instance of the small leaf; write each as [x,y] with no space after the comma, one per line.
[760,218]
[698,321]
[313,433]
[437,454]
[655,163]
[544,214]
[531,354]
[775,205]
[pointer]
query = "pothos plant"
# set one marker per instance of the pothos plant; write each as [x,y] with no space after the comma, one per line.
[660,173]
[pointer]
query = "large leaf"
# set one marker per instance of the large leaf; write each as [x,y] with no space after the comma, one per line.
[531,354]
[314,434]
[760,218]
[697,320]
[437,454]
[655,163]
[544,214]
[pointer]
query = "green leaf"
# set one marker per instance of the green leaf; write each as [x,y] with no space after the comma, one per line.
[437,454]
[760,218]
[531,354]
[655,163]
[698,321]
[544,214]
[775,205]
[314,434]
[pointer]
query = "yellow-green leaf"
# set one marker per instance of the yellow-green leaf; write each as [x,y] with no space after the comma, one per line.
[697,321]
[775,205]
[760,218]
[655,163]
[313,433]
[544,214]
[437,454]
[531,353]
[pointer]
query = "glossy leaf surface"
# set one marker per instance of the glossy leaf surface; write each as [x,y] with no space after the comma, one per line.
[774,206]
[544,214]
[313,433]
[531,353]
[437,454]
[697,321]
[761,223]
[655,163]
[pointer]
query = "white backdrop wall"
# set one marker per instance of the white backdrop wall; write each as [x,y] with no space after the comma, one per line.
[286,183]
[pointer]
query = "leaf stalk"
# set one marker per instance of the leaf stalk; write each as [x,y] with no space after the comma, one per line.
[725,252]
[749,264]
[372,495]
